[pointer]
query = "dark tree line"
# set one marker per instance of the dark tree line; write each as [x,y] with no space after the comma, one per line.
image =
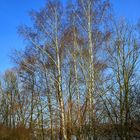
[78,76]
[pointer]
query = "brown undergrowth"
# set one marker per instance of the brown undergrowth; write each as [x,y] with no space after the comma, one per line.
[18,133]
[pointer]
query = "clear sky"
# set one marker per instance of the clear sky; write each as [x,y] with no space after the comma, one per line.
[15,12]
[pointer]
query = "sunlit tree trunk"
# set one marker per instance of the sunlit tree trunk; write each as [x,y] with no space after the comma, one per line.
[60,94]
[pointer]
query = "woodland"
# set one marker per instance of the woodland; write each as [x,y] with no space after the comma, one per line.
[78,77]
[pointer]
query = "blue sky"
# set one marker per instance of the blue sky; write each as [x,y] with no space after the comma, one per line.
[15,12]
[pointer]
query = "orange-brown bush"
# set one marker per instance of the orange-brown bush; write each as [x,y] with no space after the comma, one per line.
[18,133]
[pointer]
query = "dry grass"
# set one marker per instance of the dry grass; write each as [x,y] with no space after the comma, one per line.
[18,133]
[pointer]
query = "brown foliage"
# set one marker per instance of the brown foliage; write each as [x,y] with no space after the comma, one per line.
[18,133]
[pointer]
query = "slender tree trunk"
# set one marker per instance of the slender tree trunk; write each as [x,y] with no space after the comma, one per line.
[91,70]
[60,94]
[76,84]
